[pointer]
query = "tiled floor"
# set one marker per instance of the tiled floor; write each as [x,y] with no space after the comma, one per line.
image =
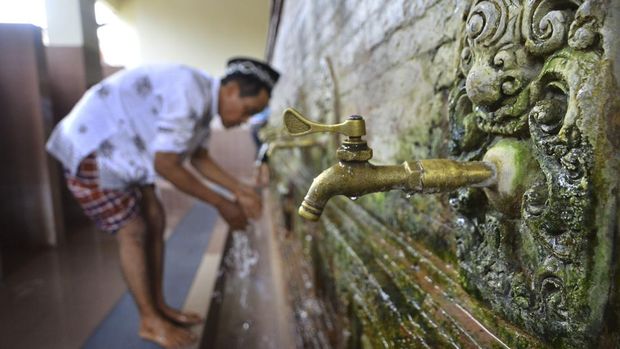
[57,297]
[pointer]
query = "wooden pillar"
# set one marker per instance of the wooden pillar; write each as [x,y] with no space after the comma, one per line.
[30,204]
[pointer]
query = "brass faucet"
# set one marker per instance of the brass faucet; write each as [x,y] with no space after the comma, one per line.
[354,176]
[268,148]
[283,144]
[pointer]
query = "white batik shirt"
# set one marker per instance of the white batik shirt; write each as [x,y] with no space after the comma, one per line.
[128,117]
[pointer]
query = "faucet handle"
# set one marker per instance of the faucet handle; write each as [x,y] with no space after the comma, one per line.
[298,125]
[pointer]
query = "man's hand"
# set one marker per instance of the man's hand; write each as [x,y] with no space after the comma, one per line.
[170,166]
[232,214]
[250,201]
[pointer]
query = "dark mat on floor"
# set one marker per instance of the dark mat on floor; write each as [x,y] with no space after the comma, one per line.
[184,251]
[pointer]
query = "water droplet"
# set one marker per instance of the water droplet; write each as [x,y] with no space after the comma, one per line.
[353,198]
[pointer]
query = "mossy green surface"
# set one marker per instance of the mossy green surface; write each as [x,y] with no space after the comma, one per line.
[539,272]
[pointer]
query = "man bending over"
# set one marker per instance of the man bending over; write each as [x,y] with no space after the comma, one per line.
[141,123]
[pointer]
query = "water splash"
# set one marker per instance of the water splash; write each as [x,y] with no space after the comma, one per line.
[242,258]
[247,308]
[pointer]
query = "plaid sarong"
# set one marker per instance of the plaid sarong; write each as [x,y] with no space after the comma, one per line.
[110,209]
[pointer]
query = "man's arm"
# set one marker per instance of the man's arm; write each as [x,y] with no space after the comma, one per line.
[247,197]
[170,166]
[202,162]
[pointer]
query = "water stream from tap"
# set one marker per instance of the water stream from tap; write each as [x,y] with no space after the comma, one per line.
[246,316]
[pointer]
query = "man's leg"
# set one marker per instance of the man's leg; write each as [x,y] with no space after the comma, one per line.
[156,221]
[133,240]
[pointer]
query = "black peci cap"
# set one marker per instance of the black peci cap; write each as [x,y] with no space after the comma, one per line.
[249,66]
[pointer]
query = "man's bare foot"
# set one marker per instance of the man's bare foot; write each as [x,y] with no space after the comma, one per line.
[166,334]
[180,318]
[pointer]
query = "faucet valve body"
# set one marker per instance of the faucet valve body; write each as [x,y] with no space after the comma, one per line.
[354,149]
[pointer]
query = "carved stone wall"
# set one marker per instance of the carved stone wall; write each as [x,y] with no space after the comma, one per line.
[537,72]
[442,78]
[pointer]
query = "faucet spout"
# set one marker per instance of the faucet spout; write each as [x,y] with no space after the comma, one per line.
[267,149]
[357,178]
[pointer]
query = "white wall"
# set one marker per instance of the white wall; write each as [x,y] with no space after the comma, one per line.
[200,33]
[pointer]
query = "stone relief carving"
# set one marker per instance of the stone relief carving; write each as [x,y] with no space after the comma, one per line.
[530,70]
